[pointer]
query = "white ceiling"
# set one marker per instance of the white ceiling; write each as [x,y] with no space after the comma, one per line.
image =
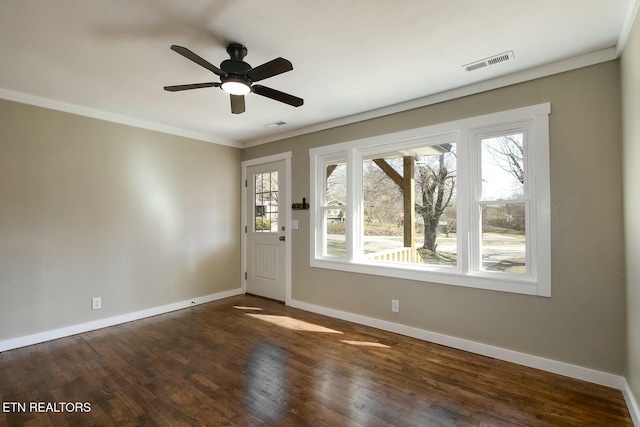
[111,58]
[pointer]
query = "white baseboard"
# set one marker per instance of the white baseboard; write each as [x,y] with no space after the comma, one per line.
[632,404]
[561,368]
[23,341]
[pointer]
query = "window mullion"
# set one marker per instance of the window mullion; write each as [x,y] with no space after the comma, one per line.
[475,189]
[465,175]
[321,188]
[354,204]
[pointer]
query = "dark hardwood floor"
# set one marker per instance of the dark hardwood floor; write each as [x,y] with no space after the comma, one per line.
[247,361]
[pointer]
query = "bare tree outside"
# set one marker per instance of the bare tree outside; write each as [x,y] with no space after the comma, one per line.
[511,148]
[336,184]
[384,213]
[503,212]
[508,154]
[435,192]
[382,197]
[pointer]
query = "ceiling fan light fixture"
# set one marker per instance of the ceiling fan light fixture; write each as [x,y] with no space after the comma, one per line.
[237,77]
[235,87]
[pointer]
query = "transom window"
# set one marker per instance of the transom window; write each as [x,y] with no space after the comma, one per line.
[463,203]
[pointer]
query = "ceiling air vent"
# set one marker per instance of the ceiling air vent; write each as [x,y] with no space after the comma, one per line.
[495,59]
[275,124]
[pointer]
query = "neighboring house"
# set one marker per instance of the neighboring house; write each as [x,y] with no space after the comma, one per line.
[335,215]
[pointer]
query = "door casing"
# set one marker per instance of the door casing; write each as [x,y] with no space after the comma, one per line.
[286,156]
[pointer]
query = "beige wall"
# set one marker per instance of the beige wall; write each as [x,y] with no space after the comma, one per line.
[90,208]
[631,137]
[142,219]
[583,323]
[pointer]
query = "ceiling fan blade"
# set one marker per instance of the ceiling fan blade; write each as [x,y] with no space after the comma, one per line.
[237,104]
[277,95]
[269,69]
[198,60]
[177,88]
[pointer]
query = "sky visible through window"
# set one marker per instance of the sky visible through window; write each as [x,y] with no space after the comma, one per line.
[502,166]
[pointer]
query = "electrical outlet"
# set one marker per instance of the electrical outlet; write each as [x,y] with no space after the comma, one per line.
[395,305]
[96,303]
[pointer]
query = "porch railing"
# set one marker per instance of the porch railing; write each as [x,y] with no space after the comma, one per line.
[406,255]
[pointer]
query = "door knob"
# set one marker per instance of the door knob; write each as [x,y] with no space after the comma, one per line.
[281,238]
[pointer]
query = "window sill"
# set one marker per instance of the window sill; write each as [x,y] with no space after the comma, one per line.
[444,276]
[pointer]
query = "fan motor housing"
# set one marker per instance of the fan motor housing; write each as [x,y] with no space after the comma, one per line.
[234,66]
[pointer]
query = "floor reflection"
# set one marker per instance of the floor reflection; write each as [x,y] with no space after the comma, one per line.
[365,344]
[266,383]
[244,307]
[293,324]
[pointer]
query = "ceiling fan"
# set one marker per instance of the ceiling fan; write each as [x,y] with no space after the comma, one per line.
[237,77]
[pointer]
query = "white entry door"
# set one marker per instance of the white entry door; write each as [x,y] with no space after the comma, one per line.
[266,219]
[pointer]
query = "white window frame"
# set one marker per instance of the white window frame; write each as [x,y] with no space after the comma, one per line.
[322,203]
[466,133]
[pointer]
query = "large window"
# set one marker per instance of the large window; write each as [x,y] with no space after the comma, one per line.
[463,203]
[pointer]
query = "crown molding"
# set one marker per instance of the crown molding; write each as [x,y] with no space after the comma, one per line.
[38,101]
[627,25]
[483,86]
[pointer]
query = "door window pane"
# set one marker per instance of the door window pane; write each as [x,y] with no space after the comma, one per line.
[266,202]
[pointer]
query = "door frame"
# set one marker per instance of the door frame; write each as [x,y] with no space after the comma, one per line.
[286,156]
